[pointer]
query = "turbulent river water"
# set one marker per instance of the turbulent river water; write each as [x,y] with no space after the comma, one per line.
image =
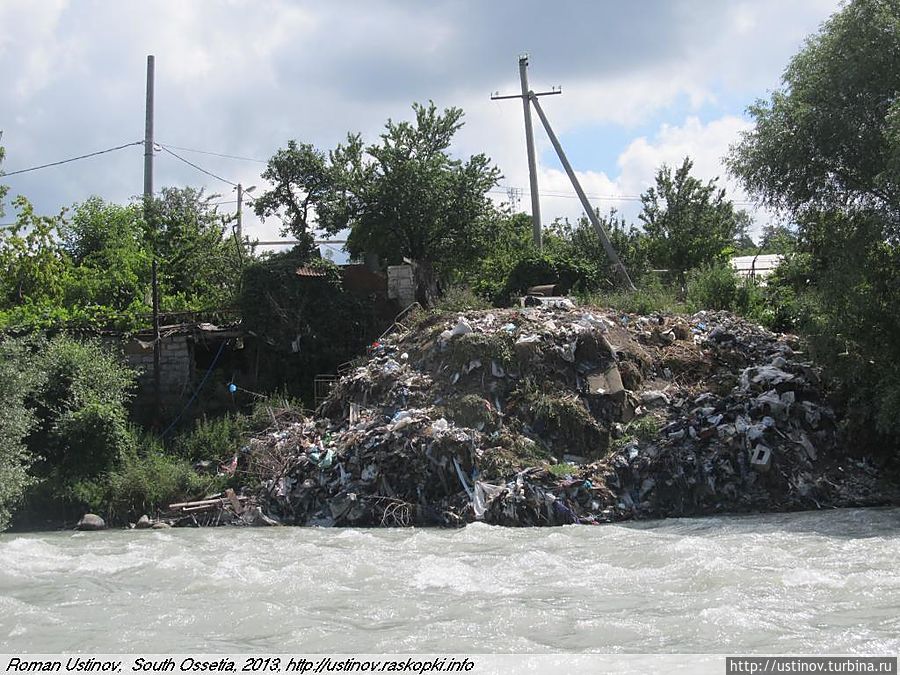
[795,583]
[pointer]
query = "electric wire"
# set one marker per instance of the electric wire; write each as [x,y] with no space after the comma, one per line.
[71,159]
[215,154]
[199,168]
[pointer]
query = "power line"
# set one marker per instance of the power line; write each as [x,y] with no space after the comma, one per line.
[217,154]
[498,190]
[199,168]
[614,198]
[71,159]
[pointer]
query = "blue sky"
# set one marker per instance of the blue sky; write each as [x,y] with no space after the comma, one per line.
[643,83]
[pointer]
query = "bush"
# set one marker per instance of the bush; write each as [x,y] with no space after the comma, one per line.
[16,420]
[650,297]
[212,439]
[91,439]
[539,268]
[64,420]
[145,480]
[719,287]
[80,406]
[712,287]
[460,299]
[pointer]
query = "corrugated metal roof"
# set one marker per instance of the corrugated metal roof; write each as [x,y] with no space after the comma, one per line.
[309,272]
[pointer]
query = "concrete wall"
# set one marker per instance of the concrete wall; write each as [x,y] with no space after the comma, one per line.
[401,284]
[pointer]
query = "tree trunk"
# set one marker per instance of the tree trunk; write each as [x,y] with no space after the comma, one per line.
[427,288]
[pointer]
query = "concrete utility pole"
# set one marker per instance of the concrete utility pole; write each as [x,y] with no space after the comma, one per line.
[240,232]
[148,198]
[529,144]
[148,133]
[526,95]
[598,226]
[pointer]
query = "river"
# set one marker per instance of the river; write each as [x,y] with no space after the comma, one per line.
[788,583]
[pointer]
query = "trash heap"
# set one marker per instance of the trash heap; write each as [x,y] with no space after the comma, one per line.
[550,415]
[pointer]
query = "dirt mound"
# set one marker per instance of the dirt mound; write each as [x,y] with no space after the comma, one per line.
[543,416]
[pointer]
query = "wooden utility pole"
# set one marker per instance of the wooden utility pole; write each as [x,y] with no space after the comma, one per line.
[595,221]
[529,143]
[148,214]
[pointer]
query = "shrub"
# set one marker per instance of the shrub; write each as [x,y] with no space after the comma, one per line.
[16,382]
[712,287]
[80,406]
[460,299]
[91,439]
[213,439]
[145,480]
[66,423]
[538,268]
[719,287]
[650,297]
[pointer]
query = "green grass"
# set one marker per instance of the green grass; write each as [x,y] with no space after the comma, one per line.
[645,300]
[561,469]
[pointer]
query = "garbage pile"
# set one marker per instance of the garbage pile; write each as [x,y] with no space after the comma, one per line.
[550,415]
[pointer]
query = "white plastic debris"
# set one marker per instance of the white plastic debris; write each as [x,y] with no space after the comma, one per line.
[461,328]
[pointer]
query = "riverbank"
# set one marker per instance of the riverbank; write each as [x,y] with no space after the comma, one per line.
[559,414]
[550,415]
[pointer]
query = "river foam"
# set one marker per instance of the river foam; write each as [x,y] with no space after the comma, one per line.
[808,582]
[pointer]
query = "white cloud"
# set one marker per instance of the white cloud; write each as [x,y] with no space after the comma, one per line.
[243,77]
[705,144]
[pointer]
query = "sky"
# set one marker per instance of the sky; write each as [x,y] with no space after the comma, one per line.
[644,83]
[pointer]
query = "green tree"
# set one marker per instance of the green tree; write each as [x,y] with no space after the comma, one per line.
[688,223]
[199,265]
[110,254]
[419,203]
[33,262]
[628,241]
[3,188]
[312,189]
[402,198]
[512,241]
[825,150]
[829,139]
[742,241]
[16,384]
[778,239]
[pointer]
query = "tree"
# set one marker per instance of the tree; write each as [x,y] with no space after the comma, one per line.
[402,198]
[742,241]
[16,384]
[3,188]
[199,267]
[110,254]
[33,262]
[830,138]
[302,179]
[420,204]
[778,239]
[825,151]
[688,223]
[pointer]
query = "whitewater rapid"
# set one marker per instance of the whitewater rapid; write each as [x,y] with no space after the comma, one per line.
[790,583]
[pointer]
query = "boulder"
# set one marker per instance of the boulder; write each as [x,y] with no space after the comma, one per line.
[91,522]
[144,523]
